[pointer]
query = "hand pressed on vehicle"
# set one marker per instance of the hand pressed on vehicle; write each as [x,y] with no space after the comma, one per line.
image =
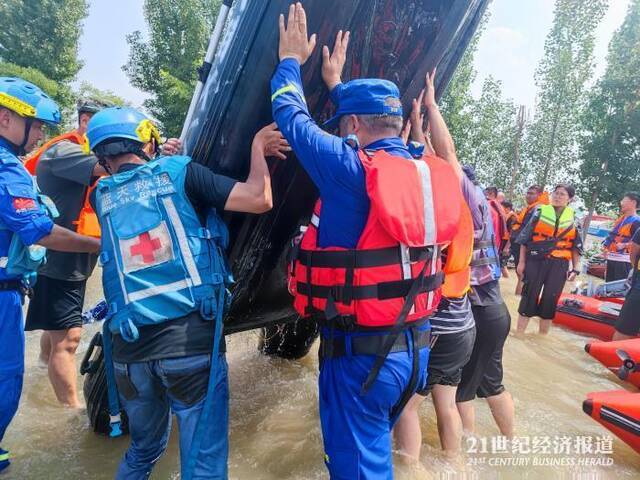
[429,97]
[294,42]
[417,120]
[333,63]
[173,146]
[271,142]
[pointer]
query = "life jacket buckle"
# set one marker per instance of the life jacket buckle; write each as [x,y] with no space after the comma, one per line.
[204,233]
[103,258]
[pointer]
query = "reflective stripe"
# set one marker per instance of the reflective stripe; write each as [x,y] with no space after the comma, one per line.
[427,195]
[3,262]
[4,457]
[406,261]
[315,220]
[182,241]
[159,290]
[120,275]
[434,262]
[286,89]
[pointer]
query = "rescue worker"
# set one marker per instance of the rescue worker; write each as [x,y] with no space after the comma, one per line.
[65,171]
[628,323]
[535,196]
[165,280]
[452,325]
[369,261]
[617,244]
[25,222]
[549,243]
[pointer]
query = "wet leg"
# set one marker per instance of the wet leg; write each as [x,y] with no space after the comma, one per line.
[407,431]
[62,365]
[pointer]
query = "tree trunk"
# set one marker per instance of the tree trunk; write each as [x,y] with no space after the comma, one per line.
[516,150]
[552,147]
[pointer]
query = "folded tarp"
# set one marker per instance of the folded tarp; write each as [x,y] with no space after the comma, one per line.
[399,40]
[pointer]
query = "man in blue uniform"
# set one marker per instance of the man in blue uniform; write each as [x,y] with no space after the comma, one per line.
[165,278]
[356,427]
[24,222]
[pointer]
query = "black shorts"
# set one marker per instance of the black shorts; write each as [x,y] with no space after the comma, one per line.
[449,354]
[628,322]
[482,375]
[55,304]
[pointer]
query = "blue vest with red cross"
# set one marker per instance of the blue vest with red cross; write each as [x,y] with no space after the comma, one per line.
[158,262]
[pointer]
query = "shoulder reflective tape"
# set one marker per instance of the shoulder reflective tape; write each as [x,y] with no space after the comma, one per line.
[315,220]
[427,193]
[158,290]
[3,262]
[183,243]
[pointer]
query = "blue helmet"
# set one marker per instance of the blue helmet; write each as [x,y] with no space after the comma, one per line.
[121,123]
[28,101]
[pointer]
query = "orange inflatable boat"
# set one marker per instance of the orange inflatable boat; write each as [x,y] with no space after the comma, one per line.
[619,412]
[621,357]
[588,315]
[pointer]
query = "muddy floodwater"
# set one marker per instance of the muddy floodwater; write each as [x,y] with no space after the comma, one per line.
[275,432]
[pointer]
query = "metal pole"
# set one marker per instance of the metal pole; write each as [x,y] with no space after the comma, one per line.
[203,71]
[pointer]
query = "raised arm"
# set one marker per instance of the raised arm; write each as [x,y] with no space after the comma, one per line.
[440,137]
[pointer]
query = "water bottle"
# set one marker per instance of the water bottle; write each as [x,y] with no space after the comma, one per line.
[96,313]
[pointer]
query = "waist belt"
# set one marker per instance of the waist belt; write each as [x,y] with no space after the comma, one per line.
[378,257]
[369,344]
[381,291]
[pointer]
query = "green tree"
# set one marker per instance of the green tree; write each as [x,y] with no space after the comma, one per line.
[457,101]
[610,142]
[87,90]
[491,135]
[60,92]
[561,77]
[166,64]
[43,34]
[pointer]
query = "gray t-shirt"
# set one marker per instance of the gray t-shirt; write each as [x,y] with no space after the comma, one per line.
[64,173]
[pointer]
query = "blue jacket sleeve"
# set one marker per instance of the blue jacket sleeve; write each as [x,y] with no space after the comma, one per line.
[20,211]
[328,160]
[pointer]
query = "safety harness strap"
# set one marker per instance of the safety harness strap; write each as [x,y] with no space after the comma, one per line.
[380,291]
[379,257]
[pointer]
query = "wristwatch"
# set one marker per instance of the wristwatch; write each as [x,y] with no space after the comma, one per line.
[577,272]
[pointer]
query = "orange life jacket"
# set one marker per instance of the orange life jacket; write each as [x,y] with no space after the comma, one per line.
[415,208]
[524,214]
[457,272]
[87,222]
[553,236]
[621,233]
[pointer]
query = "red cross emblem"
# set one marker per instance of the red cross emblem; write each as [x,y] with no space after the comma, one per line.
[146,247]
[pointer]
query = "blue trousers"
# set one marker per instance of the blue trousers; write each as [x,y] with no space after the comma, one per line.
[151,391]
[357,428]
[11,356]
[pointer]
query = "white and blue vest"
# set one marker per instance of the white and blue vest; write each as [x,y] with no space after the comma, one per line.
[159,263]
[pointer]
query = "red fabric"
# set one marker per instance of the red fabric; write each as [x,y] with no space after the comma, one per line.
[397,193]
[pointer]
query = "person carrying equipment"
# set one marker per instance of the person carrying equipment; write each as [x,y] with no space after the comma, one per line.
[369,261]
[26,229]
[165,279]
[628,323]
[535,196]
[617,245]
[548,243]
[452,325]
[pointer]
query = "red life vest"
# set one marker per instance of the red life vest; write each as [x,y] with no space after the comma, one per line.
[414,213]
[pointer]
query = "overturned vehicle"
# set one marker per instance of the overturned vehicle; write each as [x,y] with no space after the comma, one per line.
[392,39]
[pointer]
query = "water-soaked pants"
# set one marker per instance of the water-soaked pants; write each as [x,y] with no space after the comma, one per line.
[543,283]
[151,391]
[11,356]
[357,428]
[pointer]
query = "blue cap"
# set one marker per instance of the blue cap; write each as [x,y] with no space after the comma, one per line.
[366,96]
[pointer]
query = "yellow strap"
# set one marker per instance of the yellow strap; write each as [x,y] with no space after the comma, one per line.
[286,89]
[17,105]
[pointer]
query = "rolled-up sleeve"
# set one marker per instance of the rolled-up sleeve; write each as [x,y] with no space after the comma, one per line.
[20,210]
